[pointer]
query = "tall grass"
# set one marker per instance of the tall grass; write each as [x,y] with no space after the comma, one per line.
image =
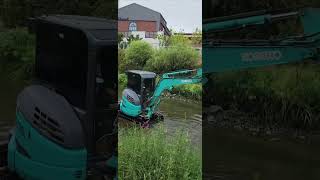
[192,91]
[152,154]
[286,95]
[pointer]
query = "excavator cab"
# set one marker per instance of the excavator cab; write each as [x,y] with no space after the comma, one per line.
[65,125]
[141,99]
[140,87]
[142,82]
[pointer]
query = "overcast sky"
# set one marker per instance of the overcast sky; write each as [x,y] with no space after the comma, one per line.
[181,15]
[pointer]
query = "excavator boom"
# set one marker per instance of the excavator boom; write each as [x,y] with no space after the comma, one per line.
[222,55]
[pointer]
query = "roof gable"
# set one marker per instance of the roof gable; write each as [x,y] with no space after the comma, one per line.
[137,12]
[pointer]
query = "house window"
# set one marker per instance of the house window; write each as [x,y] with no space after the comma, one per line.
[133,26]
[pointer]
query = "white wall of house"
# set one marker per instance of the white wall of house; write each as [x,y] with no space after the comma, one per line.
[154,42]
[141,34]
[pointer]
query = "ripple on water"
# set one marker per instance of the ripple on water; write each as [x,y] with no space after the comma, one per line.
[186,116]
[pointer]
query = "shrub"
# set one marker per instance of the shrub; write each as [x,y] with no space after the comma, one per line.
[17,52]
[173,58]
[286,95]
[136,56]
[122,81]
[193,91]
[122,65]
[151,154]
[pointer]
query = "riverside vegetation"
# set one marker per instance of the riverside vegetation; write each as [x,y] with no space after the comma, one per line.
[283,96]
[17,51]
[152,154]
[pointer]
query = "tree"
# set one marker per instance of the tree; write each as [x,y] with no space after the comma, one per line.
[120,38]
[179,56]
[177,39]
[196,37]
[163,39]
[132,38]
[137,54]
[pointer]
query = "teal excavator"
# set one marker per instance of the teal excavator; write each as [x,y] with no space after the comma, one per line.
[142,96]
[66,118]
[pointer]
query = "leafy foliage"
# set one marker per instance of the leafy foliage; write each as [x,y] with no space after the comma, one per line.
[17,52]
[175,39]
[173,58]
[196,40]
[193,91]
[121,61]
[122,81]
[136,56]
[132,38]
[286,95]
[120,38]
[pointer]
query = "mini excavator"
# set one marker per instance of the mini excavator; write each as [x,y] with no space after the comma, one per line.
[142,96]
[66,118]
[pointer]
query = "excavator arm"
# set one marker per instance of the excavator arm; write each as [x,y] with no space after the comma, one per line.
[223,55]
[231,56]
[170,80]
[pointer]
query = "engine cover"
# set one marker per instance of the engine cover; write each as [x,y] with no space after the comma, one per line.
[52,115]
[48,141]
[130,104]
[132,96]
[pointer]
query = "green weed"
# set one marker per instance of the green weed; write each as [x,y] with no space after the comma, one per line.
[152,154]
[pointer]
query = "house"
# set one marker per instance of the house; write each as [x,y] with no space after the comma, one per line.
[141,21]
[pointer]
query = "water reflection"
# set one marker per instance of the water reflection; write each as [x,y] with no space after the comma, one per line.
[186,115]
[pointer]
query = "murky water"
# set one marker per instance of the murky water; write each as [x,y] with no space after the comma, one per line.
[183,115]
[234,155]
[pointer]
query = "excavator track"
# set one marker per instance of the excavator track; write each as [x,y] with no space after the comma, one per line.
[141,120]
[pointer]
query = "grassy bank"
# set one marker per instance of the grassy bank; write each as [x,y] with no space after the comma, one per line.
[285,96]
[190,91]
[151,154]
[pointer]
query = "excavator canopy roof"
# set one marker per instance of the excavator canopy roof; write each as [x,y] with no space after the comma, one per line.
[143,74]
[97,30]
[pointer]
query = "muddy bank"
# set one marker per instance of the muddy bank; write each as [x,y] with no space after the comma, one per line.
[216,117]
